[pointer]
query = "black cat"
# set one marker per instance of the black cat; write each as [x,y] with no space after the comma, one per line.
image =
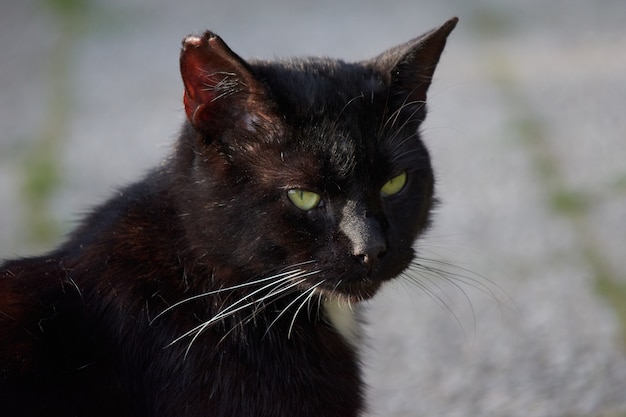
[220,285]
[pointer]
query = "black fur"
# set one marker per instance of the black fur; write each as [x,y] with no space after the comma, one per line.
[94,329]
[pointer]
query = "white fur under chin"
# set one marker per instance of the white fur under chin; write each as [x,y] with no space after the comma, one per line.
[342,317]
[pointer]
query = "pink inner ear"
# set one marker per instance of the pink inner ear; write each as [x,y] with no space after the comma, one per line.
[214,78]
[195,68]
[220,89]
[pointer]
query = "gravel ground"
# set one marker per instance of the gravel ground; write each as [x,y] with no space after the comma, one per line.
[527,110]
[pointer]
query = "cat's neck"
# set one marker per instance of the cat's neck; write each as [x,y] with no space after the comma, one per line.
[342,317]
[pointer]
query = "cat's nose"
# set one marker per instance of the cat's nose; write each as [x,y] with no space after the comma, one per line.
[365,234]
[371,255]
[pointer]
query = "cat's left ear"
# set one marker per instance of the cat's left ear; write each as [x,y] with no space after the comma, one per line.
[220,89]
[410,67]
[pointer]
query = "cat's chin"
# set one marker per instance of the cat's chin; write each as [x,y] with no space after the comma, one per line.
[351,292]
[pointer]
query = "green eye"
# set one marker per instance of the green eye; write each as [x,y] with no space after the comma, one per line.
[394,185]
[304,200]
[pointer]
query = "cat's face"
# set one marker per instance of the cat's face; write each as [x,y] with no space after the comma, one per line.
[310,165]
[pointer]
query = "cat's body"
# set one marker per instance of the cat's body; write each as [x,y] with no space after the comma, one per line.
[220,284]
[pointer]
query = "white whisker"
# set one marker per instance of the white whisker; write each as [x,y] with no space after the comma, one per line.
[284,310]
[198,330]
[467,277]
[276,290]
[439,300]
[281,276]
[311,292]
[230,310]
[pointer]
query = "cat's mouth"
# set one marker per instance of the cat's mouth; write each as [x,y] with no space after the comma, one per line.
[353,291]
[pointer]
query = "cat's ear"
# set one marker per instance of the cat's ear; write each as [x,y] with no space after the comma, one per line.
[409,67]
[220,90]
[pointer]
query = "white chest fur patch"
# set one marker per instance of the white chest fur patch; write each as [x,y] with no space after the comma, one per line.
[342,317]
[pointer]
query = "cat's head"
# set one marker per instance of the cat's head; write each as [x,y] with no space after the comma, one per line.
[313,167]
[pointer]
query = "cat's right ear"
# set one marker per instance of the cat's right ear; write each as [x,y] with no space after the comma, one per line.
[408,69]
[220,90]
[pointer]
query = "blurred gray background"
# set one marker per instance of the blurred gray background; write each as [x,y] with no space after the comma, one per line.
[525,314]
